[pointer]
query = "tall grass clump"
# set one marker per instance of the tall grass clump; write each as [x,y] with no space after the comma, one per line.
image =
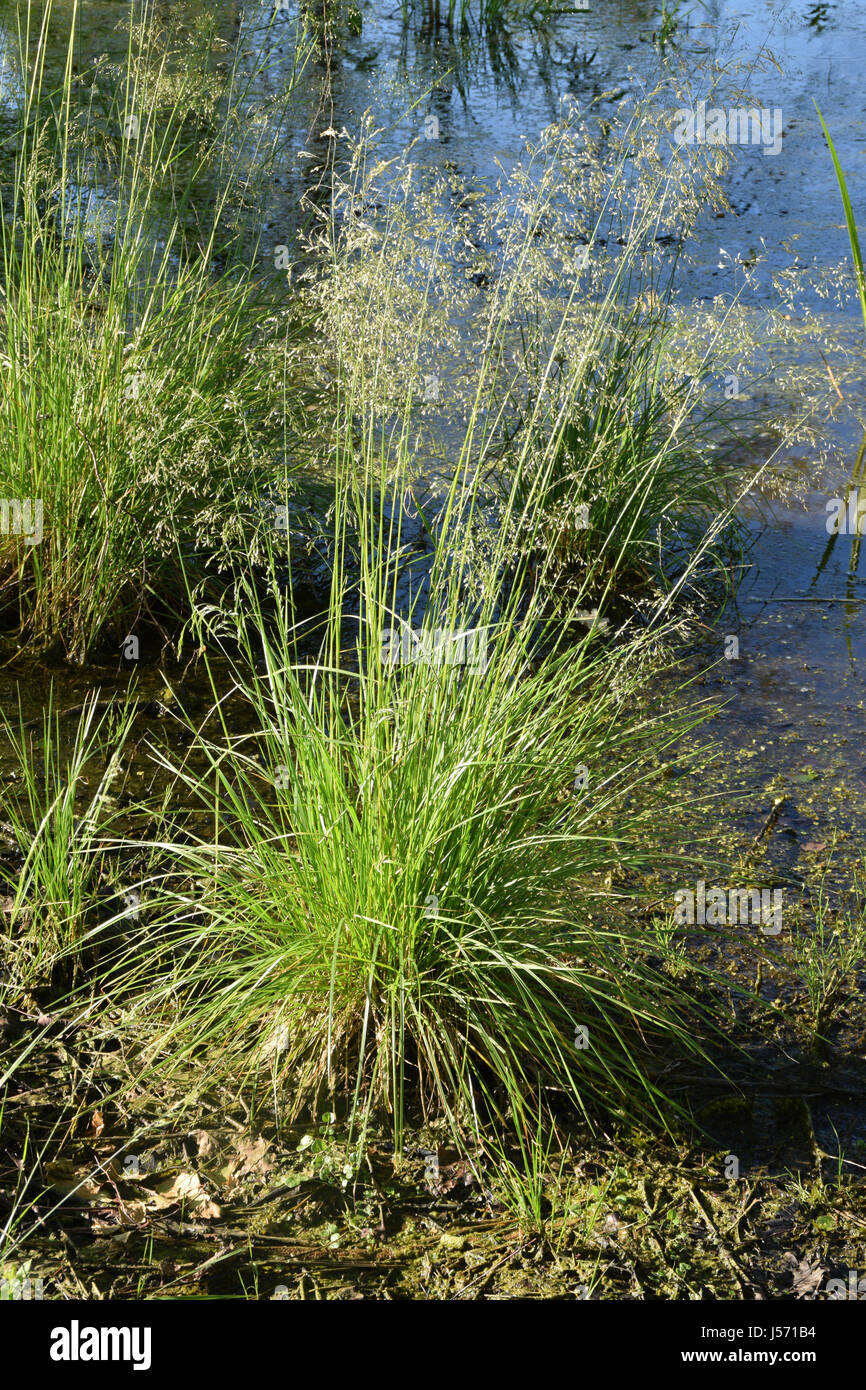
[134,330]
[394,903]
[395,893]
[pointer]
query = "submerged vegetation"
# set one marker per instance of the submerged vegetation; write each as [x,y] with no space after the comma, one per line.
[409,498]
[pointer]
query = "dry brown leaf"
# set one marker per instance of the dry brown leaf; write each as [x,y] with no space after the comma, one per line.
[808,1277]
[251,1158]
[128,1214]
[187,1189]
[205,1144]
[65,1177]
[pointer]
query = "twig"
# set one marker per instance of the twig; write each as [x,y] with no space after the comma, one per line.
[771,819]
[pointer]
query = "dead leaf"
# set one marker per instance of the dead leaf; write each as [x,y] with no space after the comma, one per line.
[808,1277]
[187,1189]
[65,1177]
[128,1214]
[205,1145]
[251,1158]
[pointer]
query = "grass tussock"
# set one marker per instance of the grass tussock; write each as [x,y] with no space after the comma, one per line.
[390,898]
